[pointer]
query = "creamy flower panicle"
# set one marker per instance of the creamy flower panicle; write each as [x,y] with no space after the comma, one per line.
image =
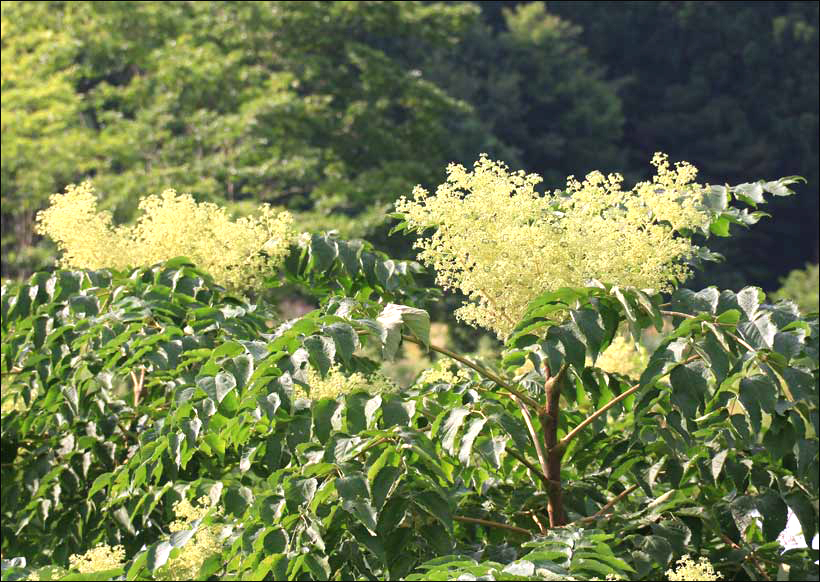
[625,357]
[237,253]
[501,243]
[440,372]
[687,569]
[205,543]
[98,559]
[336,383]
[185,566]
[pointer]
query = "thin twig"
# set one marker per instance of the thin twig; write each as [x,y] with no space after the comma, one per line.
[532,514]
[477,367]
[592,417]
[138,385]
[678,314]
[735,337]
[127,433]
[14,371]
[744,343]
[370,446]
[749,555]
[539,450]
[108,296]
[489,523]
[527,463]
[541,527]
[606,507]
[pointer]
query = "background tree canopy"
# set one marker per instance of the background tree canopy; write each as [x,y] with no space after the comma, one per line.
[334,109]
[216,384]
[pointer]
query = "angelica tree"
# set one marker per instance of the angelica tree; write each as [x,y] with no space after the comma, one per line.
[129,392]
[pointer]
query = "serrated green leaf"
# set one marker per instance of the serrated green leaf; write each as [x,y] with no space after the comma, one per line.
[470,435]
[435,505]
[345,338]
[322,351]
[158,555]
[326,414]
[757,393]
[774,512]
[749,300]
[450,426]
[717,463]
[690,384]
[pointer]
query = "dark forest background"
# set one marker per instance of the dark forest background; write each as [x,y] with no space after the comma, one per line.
[334,109]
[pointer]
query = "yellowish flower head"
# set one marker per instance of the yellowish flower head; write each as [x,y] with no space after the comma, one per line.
[688,569]
[336,384]
[98,559]
[502,244]
[186,513]
[205,543]
[625,357]
[440,372]
[237,253]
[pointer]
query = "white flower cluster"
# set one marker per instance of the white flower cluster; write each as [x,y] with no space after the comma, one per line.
[237,253]
[502,244]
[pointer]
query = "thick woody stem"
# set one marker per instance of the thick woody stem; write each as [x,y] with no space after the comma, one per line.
[549,451]
[549,425]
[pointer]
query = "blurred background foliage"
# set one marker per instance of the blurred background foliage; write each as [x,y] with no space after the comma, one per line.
[801,286]
[334,109]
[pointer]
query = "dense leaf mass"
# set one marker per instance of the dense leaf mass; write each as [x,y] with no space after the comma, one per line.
[128,393]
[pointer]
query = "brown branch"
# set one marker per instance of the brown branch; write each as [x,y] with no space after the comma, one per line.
[677,314]
[489,523]
[541,527]
[610,504]
[592,417]
[370,446]
[138,385]
[527,463]
[749,555]
[539,450]
[549,425]
[127,433]
[477,367]
[744,343]
[735,337]
[532,514]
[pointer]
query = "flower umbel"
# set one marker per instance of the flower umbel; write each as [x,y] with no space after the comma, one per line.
[98,559]
[688,569]
[501,243]
[336,384]
[237,253]
[625,357]
[205,543]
